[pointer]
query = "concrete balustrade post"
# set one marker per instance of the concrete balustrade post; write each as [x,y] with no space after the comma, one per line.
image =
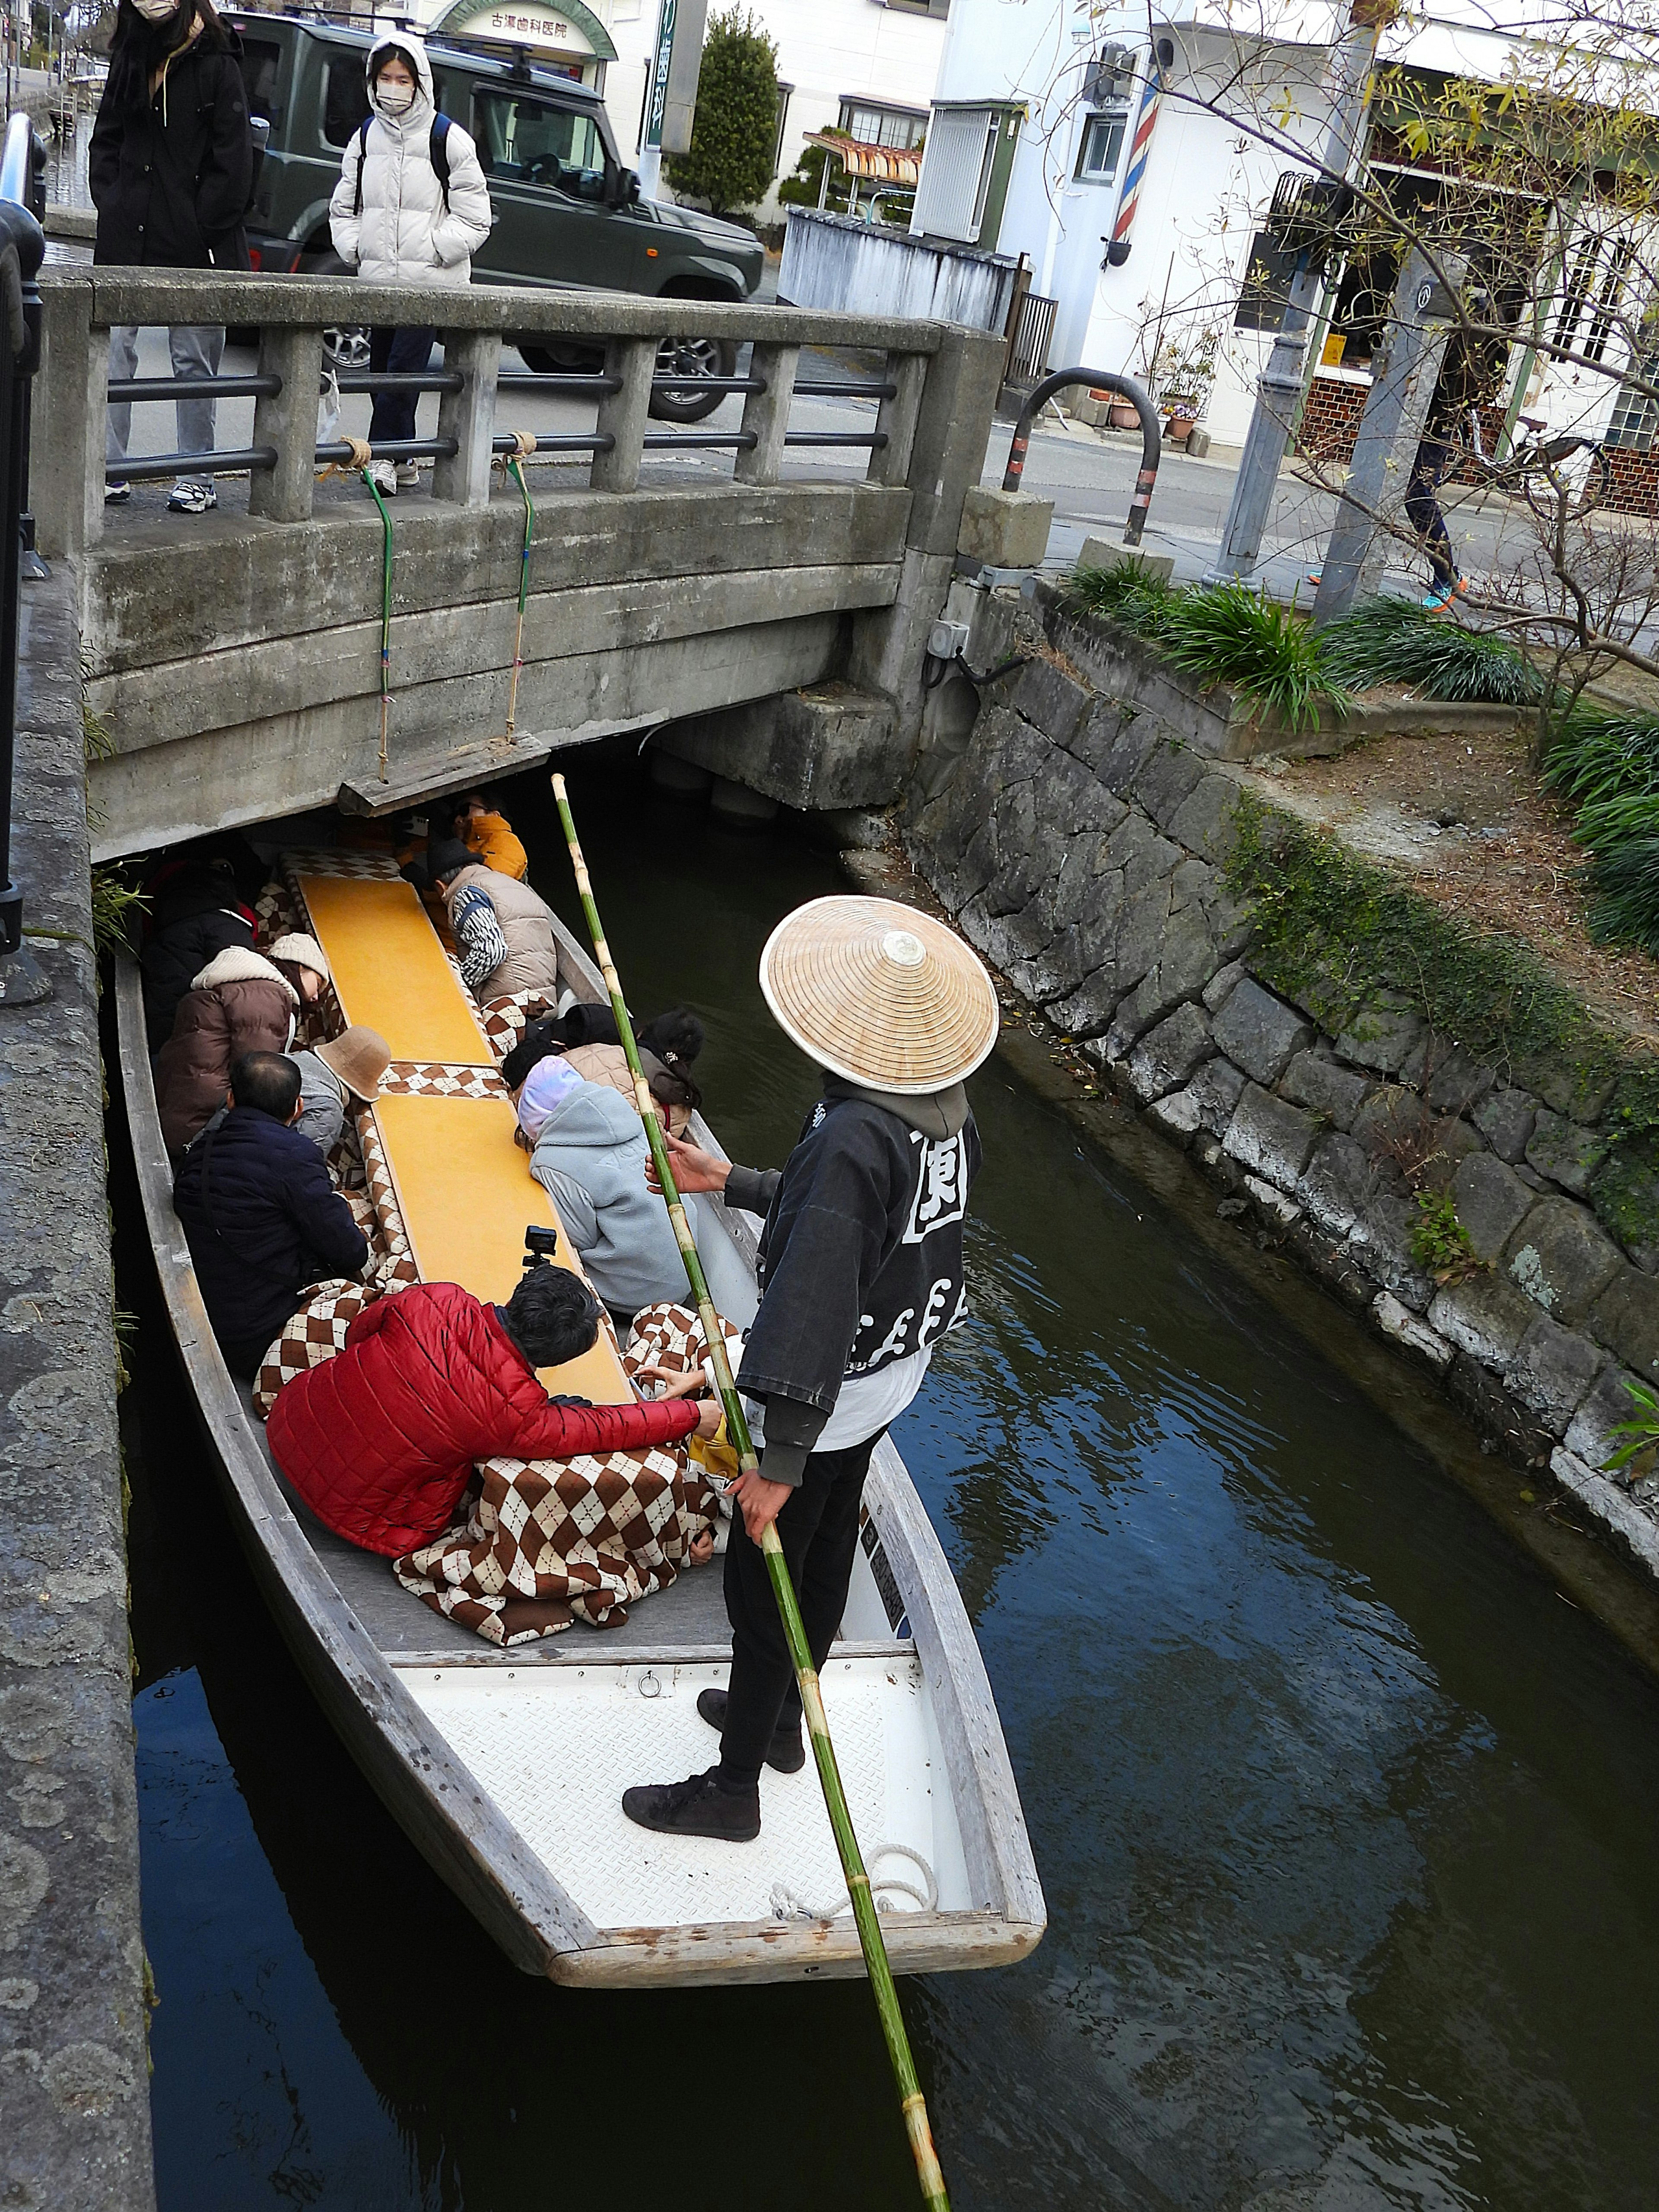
[288,419]
[897,417]
[951,428]
[624,413]
[469,418]
[70,397]
[766,414]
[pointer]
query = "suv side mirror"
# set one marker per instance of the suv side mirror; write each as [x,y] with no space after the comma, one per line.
[624,188]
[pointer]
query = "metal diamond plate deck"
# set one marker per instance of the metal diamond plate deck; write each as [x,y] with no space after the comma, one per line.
[556,1749]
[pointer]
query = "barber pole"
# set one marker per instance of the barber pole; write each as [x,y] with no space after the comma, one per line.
[1151,93]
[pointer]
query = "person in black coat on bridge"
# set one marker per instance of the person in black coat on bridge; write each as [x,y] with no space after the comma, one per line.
[171,172]
[261,1218]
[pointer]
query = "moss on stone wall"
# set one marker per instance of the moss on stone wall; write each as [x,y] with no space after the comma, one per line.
[1339,936]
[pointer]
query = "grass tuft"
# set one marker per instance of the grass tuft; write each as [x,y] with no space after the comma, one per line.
[1392,642]
[1608,764]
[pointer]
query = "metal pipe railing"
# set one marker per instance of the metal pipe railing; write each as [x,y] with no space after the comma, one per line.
[1099,380]
[22,249]
[141,388]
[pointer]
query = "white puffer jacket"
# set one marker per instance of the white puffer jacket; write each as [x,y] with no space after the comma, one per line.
[403,234]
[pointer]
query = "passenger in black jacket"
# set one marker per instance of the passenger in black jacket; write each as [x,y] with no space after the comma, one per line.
[171,172]
[260,1216]
[195,915]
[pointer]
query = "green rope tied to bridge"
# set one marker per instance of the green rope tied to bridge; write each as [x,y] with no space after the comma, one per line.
[515,461]
[386,619]
[911,2105]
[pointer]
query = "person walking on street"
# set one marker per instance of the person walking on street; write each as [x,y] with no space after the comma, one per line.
[860,1274]
[411,207]
[170,168]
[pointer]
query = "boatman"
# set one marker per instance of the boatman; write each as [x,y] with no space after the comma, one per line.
[860,1275]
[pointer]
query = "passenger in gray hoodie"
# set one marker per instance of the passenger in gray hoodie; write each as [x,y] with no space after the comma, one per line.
[591,1159]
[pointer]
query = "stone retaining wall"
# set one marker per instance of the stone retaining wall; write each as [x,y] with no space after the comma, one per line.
[1081,845]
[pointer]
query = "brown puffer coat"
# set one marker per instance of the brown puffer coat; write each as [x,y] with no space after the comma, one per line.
[533,958]
[238,1003]
[608,1063]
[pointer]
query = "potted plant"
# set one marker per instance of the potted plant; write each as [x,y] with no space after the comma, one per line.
[1183,376]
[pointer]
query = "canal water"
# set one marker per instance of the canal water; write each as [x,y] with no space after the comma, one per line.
[1347,1820]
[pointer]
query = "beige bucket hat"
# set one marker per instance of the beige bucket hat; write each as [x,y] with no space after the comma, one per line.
[359,1057]
[879,994]
[304,951]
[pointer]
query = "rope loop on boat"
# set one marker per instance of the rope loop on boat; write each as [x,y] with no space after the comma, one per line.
[524,444]
[787,1905]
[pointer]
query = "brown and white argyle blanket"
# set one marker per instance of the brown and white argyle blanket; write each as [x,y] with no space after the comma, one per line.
[547,1541]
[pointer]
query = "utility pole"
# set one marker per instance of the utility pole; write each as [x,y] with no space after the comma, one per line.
[1348,82]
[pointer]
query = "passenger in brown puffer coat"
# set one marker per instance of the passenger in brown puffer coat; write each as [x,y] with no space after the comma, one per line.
[241,1001]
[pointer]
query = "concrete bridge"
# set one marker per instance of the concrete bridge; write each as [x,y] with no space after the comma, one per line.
[234,659]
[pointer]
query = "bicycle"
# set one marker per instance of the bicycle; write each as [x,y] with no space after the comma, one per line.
[1536,468]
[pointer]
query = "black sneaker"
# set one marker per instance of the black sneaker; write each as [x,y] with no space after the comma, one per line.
[698,1807]
[787,1753]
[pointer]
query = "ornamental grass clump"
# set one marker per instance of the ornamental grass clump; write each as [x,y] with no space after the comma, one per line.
[1608,764]
[1392,641]
[1225,634]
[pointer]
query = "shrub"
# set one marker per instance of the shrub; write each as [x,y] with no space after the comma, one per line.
[1609,764]
[735,128]
[1392,642]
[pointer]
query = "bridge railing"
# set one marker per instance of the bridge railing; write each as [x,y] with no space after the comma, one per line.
[291,314]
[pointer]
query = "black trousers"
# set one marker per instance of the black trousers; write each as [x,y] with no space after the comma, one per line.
[819,1530]
[1433,462]
[397,353]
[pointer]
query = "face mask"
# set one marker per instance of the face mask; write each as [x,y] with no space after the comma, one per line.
[389,100]
[156,11]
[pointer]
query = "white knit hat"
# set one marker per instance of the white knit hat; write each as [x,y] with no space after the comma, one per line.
[879,994]
[304,951]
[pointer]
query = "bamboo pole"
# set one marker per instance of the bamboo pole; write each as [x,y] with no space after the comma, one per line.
[911,2105]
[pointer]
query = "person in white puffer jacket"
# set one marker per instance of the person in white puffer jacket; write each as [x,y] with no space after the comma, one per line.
[411,207]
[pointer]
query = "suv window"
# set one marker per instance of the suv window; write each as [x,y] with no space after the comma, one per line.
[261,60]
[345,98]
[532,142]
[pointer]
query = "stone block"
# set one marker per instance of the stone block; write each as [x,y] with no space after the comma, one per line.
[1395,1125]
[1129,750]
[1053,700]
[1626,1318]
[1552,1372]
[1457,1084]
[1485,1316]
[1259,1031]
[1204,821]
[829,746]
[1185,962]
[1177,1116]
[1277,1211]
[1005,529]
[1591,1433]
[1403,1328]
[1165,1057]
[1628,1525]
[1561,1258]
[1564,1152]
[1221,983]
[1325,1087]
[1381,1242]
[1505,1118]
[1101,553]
[1167,780]
[1215,1091]
[1492,1202]
[1338,1183]
[1383,1038]
[1270,1136]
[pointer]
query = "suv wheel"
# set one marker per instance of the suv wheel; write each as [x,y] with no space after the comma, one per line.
[693,358]
[345,345]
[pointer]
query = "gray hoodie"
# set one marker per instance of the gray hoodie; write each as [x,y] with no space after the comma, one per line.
[591,1159]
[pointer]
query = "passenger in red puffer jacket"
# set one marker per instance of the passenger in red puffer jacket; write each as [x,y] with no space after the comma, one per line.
[380,1440]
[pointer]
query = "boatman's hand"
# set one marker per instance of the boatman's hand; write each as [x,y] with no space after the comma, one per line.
[692,1169]
[761,1501]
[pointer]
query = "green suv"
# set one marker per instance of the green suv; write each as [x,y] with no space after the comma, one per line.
[568,213]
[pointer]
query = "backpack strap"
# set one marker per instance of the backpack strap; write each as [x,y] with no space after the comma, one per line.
[438,150]
[362,155]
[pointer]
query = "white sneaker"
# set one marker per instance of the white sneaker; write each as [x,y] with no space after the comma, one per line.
[195,498]
[409,475]
[117,494]
[384,478]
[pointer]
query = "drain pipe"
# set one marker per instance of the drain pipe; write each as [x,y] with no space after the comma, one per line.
[1152,443]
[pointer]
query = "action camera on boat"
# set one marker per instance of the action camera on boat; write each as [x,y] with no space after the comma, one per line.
[539,1245]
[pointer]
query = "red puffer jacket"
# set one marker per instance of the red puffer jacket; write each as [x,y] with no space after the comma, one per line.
[380,1440]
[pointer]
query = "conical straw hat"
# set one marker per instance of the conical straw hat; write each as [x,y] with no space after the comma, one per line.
[879,994]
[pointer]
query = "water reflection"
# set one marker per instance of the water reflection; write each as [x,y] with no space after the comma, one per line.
[1345,1816]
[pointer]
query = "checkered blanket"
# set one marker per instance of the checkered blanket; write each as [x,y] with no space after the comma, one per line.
[546,1541]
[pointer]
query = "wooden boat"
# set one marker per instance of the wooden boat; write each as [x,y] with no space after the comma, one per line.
[505,1767]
